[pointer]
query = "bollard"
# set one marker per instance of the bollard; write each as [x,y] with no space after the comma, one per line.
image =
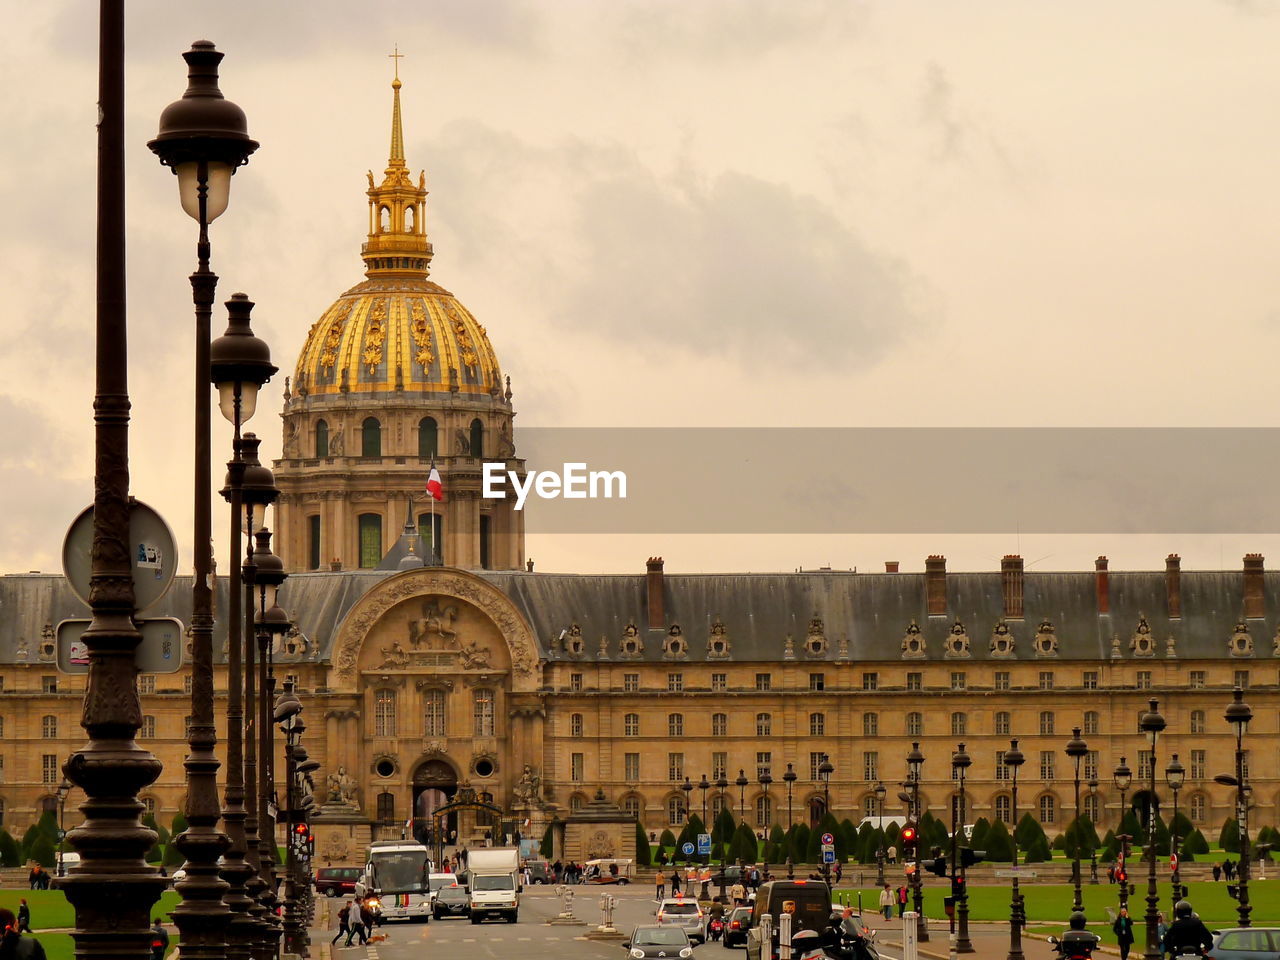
[766,936]
[784,937]
[910,948]
[952,938]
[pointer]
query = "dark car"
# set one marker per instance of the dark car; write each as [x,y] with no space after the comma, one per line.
[652,942]
[540,871]
[336,881]
[1252,943]
[736,922]
[451,902]
[808,902]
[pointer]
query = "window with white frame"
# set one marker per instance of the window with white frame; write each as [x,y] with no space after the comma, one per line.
[631,725]
[871,724]
[1002,723]
[49,727]
[675,682]
[958,724]
[817,724]
[764,725]
[631,764]
[719,724]
[675,766]
[483,712]
[1048,809]
[1091,722]
[576,764]
[575,725]
[915,724]
[630,682]
[870,765]
[1046,764]
[384,712]
[675,724]
[433,716]
[719,682]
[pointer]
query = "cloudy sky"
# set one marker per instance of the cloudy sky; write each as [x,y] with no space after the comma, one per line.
[757,212]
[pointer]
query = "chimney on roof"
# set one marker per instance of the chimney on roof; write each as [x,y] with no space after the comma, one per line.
[1011,585]
[891,566]
[1104,585]
[1173,585]
[653,585]
[935,585]
[1255,601]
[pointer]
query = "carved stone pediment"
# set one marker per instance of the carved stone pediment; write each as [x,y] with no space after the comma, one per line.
[913,645]
[1002,642]
[718,645]
[815,641]
[956,645]
[1046,641]
[675,647]
[1142,643]
[1240,644]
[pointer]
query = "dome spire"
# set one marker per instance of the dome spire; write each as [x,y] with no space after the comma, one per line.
[396,160]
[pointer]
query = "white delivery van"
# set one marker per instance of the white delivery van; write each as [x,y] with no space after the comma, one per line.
[494,877]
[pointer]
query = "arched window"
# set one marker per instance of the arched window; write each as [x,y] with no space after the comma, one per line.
[387,808]
[719,724]
[1091,722]
[428,438]
[371,438]
[817,724]
[675,724]
[49,727]
[675,809]
[384,219]
[869,806]
[631,806]
[149,805]
[1092,806]
[148,727]
[477,438]
[433,713]
[915,724]
[1046,723]
[817,809]
[577,802]
[719,803]
[764,811]
[322,439]
[1197,721]
[764,725]
[958,724]
[631,725]
[1002,723]
[483,712]
[870,724]
[575,725]
[370,540]
[384,712]
[1197,808]
[1004,809]
[1048,809]
[408,219]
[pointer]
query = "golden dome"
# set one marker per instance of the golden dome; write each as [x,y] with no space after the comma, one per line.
[397,334]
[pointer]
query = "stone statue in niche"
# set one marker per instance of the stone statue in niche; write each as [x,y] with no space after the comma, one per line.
[632,646]
[342,787]
[529,788]
[1142,643]
[957,643]
[336,441]
[1170,648]
[574,645]
[913,647]
[1240,644]
[815,641]
[718,641]
[435,622]
[1002,642]
[675,647]
[1046,642]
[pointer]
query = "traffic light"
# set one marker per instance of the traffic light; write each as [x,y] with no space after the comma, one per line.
[908,838]
[969,857]
[957,887]
[938,866]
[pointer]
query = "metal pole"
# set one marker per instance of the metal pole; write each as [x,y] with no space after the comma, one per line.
[114,888]
[1152,723]
[1243,907]
[963,943]
[1013,759]
[1173,848]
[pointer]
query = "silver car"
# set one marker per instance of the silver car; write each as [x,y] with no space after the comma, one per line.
[685,914]
[1252,943]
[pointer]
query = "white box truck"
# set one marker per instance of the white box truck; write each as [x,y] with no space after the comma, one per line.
[494,878]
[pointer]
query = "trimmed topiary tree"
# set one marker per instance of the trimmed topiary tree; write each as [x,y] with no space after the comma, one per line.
[546,847]
[725,825]
[10,855]
[667,841]
[1229,838]
[178,825]
[42,851]
[998,843]
[644,855]
[978,840]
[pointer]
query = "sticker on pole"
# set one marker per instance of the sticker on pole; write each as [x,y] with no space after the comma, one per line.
[153,554]
[160,650]
[828,838]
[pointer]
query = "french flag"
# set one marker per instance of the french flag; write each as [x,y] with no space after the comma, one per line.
[434,486]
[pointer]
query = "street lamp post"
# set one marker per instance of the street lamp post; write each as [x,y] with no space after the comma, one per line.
[704,785]
[741,784]
[1175,775]
[915,760]
[64,788]
[203,137]
[825,769]
[1013,759]
[766,781]
[687,788]
[1123,778]
[960,762]
[1093,850]
[1238,715]
[1151,723]
[880,792]
[789,778]
[722,784]
[1077,750]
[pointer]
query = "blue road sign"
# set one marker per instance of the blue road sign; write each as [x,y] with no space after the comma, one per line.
[687,849]
[704,844]
[828,856]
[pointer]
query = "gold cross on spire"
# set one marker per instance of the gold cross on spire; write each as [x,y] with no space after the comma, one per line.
[396,55]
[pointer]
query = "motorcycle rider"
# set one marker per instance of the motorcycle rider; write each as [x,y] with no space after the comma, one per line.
[1077,941]
[1187,936]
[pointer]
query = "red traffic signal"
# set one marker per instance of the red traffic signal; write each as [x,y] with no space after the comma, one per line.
[301,829]
[908,837]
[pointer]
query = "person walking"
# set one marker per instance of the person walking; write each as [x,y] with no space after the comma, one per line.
[675,882]
[887,900]
[24,916]
[355,923]
[1123,929]
[344,923]
[366,922]
[902,900]
[1217,872]
[159,940]
[738,893]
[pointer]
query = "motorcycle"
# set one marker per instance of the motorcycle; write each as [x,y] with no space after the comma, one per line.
[1073,949]
[715,928]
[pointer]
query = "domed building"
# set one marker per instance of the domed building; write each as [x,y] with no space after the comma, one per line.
[395,377]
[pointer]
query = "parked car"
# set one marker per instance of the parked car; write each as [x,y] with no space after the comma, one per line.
[540,871]
[451,902]
[658,941]
[1246,943]
[683,913]
[736,922]
[336,881]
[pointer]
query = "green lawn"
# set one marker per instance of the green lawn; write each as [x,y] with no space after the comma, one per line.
[49,908]
[1051,903]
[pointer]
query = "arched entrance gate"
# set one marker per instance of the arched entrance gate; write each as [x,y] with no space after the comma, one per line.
[466,809]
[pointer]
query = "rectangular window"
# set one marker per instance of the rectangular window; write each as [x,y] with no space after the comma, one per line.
[1002,772]
[871,724]
[631,762]
[1195,679]
[675,682]
[764,763]
[817,681]
[483,713]
[719,724]
[313,542]
[49,684]
[370,540]
[870,765]
[1,769]
[719,765]
[764,681]
[1089,680]
[433,713]
[915,681]
[675,766]
[1046,679]
[815,761]
[49,768]
[817,725]
[871,681]
[575,726]
[958,681]
[147,683]
[1241,679]
[1046,764]
[575,682]
[719,682]
[1002,680]
[1198,764]
[631,682]
[575,767]
[1143,773]
[186,684]
[1143,680]
[1091,765]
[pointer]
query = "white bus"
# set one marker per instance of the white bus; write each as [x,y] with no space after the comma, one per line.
[397,874]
